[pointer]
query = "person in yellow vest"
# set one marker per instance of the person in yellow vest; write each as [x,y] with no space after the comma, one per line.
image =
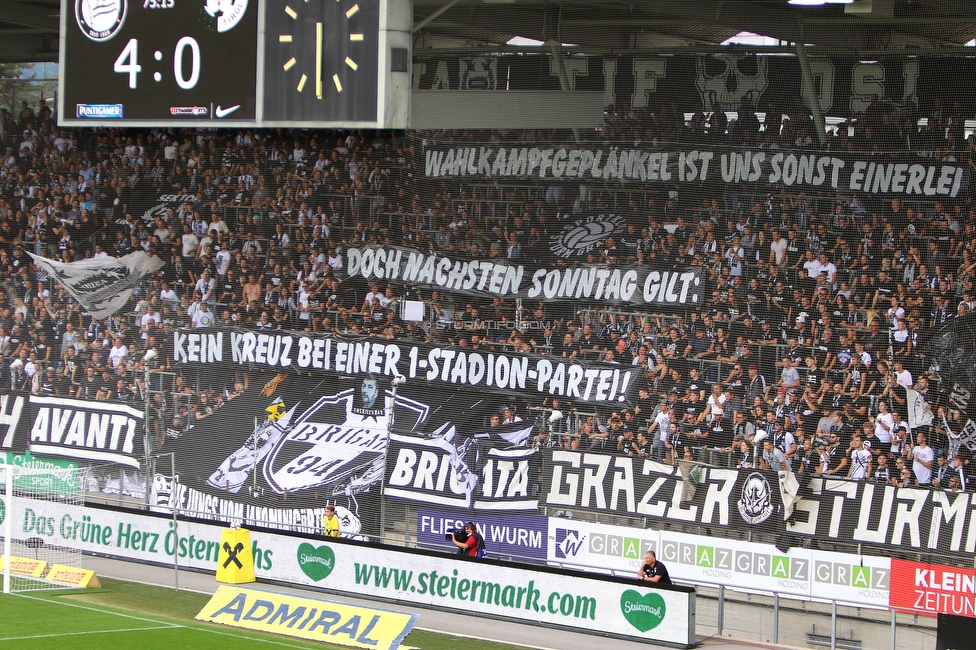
[330,524]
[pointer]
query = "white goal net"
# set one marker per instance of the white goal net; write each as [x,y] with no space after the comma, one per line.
[33,541]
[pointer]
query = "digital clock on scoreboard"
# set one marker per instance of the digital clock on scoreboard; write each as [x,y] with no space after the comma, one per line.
[158,61]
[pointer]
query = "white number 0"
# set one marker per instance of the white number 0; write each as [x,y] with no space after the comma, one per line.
[181,45]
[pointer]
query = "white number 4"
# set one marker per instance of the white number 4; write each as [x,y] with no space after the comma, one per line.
[127,63]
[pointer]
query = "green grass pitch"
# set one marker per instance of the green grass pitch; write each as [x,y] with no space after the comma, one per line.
[130,615]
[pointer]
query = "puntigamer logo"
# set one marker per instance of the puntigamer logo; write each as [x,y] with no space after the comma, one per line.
[100,111]
[316,563]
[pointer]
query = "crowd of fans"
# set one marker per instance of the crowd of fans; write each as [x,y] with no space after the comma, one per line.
[817,313]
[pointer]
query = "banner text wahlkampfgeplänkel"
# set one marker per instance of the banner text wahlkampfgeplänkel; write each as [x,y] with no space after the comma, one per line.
[839,171]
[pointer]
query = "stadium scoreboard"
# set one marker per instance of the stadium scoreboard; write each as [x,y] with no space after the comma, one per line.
[234,63]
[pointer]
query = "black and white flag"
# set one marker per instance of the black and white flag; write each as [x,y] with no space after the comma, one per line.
[104,285]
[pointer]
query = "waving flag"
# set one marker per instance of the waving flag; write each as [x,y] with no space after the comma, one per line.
[104,285]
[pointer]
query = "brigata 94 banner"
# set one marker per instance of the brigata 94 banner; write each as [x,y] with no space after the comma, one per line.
[447,365]
[286,448]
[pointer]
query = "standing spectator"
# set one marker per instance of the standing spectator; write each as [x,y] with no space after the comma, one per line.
[923,459]
[860,460]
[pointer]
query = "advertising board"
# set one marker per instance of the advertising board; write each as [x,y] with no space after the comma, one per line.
[495,589]
[800,572]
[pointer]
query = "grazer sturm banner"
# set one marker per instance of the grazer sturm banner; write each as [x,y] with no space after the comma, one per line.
[102,286]
[749,168]
[632,285]
[521,537]
[600,482]
[466,469]
[865,512]
[464,368]
[94,431]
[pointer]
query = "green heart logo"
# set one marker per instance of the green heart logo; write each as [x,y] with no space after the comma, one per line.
[643,612]
[317,563]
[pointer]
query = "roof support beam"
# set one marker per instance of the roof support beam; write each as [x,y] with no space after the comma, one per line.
[809,90]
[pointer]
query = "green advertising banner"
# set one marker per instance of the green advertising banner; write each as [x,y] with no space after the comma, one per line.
[53,476]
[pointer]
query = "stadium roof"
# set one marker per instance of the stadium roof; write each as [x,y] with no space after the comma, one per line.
[866,28]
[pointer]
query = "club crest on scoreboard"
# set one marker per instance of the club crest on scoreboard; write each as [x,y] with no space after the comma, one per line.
[227,12]
[100,20]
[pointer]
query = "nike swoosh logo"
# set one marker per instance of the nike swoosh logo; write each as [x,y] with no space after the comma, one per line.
[224,112]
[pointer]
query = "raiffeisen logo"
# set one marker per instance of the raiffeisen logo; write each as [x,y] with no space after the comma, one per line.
[568,543]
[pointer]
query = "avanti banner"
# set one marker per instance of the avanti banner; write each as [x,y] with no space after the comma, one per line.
[83,430]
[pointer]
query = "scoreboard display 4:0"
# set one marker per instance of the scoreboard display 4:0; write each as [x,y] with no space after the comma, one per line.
[160,62]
